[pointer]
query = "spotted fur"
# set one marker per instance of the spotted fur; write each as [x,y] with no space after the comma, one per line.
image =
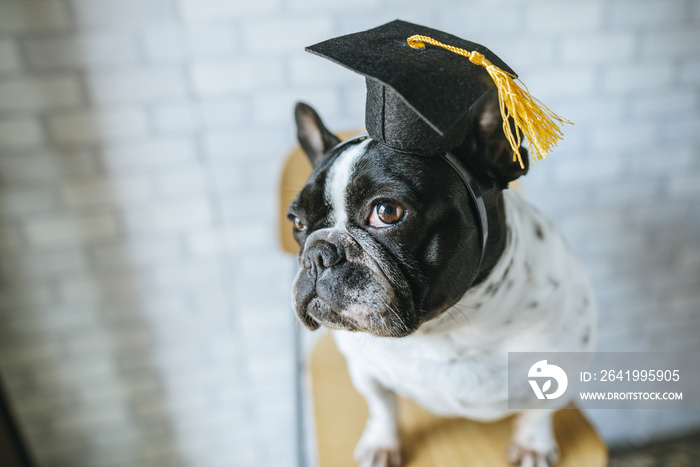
[433,325]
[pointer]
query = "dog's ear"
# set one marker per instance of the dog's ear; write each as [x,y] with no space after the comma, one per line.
[488,142]
[313,136]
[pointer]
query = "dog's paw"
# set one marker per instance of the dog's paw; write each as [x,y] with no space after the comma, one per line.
[369,455]
[523,456]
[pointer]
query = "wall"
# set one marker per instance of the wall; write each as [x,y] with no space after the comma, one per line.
[144,311]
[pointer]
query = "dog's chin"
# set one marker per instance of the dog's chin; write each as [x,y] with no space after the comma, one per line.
[322,313]
[354,317]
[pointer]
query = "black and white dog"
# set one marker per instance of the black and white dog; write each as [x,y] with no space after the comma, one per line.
[390,248]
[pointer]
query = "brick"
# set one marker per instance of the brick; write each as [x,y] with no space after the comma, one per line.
[122,14]
[147,155]
[179,217]
[680,127]
[19,133]
[599,48]
[54,455]
[233,239]
[175,43]
[679,43]
[475,20]
[225,148]
[285,34]
[635,78]
[236,76]
[94,346]
[115,191]
[279,107]
[27,352]
[27,201]
[44,167]
[261,176]
[628,192]
[9,57]
[32,16]
[684,186]
[671,102]
[222,113]
[96,126]
[228,180]
[142,251]
[181,183]
[38,93]
[591,111]
[188,275]
[646,13]
[139,85]
[247,205]
[567,83]
[690,72]
[32,265]
[553,17]
[598,169]
[154,307]
[84,50]
[65,231]
[174,117]
[332,6]
[669,160]
[223,10]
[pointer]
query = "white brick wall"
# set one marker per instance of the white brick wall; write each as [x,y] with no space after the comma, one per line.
[33,16]
[95,126]
[19,132]
[9,57]
[144,315]
[136,85]
[91,50]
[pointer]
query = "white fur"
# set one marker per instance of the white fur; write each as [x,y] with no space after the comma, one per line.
[456,364]
[337,182]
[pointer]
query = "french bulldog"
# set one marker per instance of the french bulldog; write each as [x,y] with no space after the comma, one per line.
[391,262]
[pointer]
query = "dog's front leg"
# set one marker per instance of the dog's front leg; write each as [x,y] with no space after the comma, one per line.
[533,443]
[379,445]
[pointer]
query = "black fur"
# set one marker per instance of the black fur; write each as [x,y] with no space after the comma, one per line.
[430,257]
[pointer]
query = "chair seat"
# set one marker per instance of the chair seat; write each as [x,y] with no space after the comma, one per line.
[340,414]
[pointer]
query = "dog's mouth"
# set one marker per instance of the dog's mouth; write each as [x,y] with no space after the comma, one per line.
[353,317]
[319,312]
[350,291]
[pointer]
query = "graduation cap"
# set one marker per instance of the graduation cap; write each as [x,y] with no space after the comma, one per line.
[421,83]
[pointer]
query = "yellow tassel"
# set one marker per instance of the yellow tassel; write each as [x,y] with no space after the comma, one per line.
[539,124]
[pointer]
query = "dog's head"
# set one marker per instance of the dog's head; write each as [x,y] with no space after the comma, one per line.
[390,240]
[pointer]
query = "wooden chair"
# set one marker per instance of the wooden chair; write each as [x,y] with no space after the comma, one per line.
[429,441]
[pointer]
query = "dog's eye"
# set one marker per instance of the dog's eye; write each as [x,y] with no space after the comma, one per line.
[386,213]
[299,226]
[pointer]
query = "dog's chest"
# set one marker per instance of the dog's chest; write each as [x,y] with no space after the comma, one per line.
[535,299]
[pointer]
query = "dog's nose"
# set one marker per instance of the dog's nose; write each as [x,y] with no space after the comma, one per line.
[321,256]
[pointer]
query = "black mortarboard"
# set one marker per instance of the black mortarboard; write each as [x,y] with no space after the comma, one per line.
[418,100]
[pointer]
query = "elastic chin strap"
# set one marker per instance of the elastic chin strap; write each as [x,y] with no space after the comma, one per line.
[477,199]
[472,188]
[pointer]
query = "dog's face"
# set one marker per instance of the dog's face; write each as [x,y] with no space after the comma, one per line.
[388,240]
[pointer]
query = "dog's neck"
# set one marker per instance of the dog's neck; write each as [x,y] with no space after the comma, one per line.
[496,242]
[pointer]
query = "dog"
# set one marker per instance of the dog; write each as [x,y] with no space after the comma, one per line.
[391,262]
